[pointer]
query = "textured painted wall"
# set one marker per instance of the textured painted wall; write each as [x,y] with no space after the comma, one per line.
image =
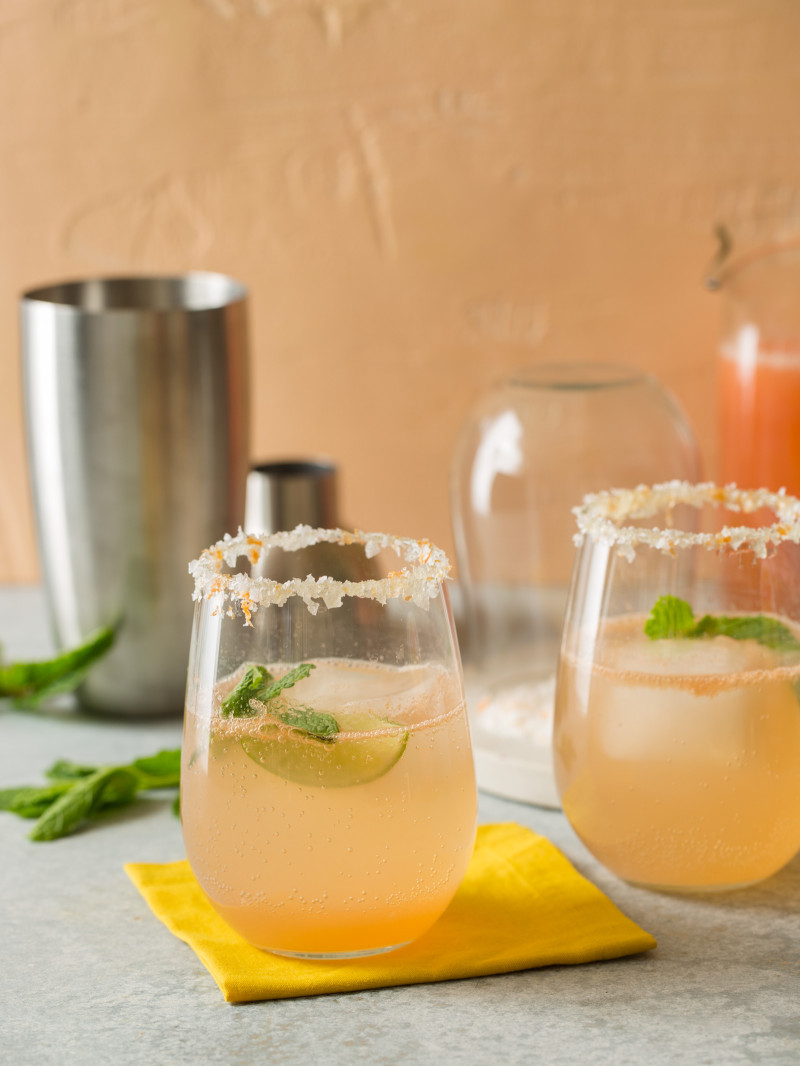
[421,195]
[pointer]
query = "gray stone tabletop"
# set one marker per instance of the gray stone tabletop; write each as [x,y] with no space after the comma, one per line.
[88,975]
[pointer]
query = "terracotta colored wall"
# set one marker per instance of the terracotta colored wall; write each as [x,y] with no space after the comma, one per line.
[421,194]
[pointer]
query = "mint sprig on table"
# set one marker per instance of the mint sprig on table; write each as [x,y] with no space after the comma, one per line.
[672,617]
[28,683]
[259,684]
[78,793]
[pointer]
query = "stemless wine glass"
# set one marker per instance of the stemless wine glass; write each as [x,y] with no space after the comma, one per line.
[677,723]
[327,789]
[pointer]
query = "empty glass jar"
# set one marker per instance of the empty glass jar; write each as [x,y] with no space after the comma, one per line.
[529,451]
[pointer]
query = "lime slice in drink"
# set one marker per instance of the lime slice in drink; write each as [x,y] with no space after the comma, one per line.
[364,749]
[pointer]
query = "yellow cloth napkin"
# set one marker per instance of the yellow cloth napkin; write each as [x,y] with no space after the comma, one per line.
[521,904]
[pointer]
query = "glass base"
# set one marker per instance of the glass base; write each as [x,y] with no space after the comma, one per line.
[333,956]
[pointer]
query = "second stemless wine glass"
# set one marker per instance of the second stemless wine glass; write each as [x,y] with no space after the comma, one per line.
[327,790]
[677,724]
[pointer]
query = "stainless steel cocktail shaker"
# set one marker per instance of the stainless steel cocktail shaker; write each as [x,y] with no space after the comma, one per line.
[136,412]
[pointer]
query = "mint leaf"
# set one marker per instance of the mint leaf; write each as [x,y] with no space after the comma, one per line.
[162,770]
[155,771]
[319,724]
[29,683]
[259,684]
[77,792]
[30,801]
[287,681]
[672,617]
[9,795]
[64,770]
[251,687]
[108,786]
[765,630]
[669,617]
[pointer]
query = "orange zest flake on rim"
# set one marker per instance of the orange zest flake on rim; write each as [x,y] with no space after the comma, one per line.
[425,544]
[255,549]
[247,609]
[602,517]
[418,581]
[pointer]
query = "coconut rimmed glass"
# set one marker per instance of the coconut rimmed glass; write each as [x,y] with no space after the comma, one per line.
[334,818]
[677,723]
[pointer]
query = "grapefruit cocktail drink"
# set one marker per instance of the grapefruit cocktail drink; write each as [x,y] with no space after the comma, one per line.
[328,794]
[759,414]
[677,732]
[759,362]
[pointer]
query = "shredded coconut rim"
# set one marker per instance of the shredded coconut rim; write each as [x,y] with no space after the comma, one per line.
[418,581]
[602,517]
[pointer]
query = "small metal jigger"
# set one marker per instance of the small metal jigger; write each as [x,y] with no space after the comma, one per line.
[282,495]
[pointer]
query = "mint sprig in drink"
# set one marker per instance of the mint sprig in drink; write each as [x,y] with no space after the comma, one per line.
[327,794]
[677,731]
